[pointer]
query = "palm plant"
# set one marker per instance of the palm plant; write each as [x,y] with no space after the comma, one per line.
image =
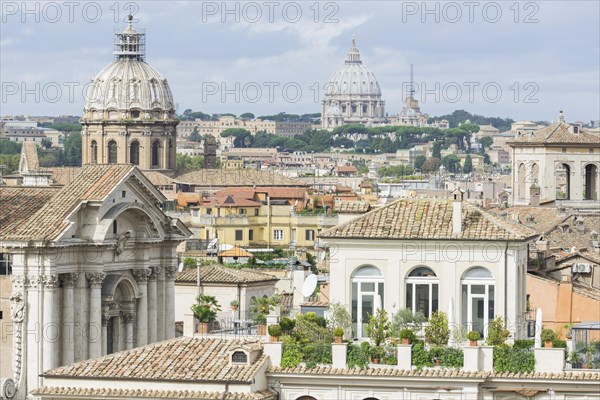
[206,308]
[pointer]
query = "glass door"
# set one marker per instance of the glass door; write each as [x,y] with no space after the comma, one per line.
[366,308]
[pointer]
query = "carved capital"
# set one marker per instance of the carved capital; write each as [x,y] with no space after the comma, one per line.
[155,272]
[141,275]
[128,317]
[32,281]
[69,280]
[105,319]
[170,272]
[95,279]
[50,281]
[18,282]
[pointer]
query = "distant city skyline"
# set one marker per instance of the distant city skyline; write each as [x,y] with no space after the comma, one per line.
[261,67]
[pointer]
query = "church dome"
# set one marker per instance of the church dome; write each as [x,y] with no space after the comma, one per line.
[353,78]
[129,84]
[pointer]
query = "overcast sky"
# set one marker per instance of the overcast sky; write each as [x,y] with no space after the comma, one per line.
[523,60]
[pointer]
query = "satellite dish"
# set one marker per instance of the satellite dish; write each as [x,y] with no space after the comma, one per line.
[309,285]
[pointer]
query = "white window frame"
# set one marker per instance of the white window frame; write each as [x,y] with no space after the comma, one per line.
[277,234]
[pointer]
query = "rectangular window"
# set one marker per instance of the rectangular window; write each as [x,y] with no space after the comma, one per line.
[278,234]
[242,211]
[251,234]
[256,211]
[239,235]
[309,234]
[5,264]
[208,211]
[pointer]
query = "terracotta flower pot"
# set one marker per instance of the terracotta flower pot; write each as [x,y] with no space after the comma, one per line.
[473,343]
[548,344]
[405,341]
[234,308]
[375,360]
[274,338]
[338,339]
[262,330]
[394,341]
[438,361]
[203,328]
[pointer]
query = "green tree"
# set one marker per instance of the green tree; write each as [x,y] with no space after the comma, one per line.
[247,116]
[72,152]
[239,134]
[10,162]
[378,327]
[451,163]
[468,167]
[184,162]
[432,164]
[419,161]
[8,147]
[46,143]
[195,136]
[437,331]
[486,141]
[436,150]
[206,308]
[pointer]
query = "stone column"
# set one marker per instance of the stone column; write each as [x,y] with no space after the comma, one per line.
[104,348]
[170,302]
[141,276]
[51,332]
[96,329]
[128,318]
[152,323]
[160,301]
[68,344]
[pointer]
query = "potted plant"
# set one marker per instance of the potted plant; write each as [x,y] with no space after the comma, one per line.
[234,305]
[473,337]
[568,329]
[274,332]
[573,359]
[437,332]
[338,333]
[287,325]
[589,356]
[547,337]
[260,308]
[378,327]
[376,354]
[205,310]
[407,336]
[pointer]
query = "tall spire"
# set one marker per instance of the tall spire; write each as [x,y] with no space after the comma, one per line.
[353,54]
[129,44]
[411,89]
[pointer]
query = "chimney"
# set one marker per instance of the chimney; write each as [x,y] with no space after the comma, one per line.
[457,198]
[561,116]
[579,224]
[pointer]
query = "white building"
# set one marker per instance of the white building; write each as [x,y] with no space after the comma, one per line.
[352,95]
[562,159]
[426,254]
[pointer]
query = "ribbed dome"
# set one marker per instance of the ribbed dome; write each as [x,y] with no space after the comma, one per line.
[129,84]
[353,78]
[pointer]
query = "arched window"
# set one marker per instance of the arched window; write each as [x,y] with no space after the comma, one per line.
[422,291]
[477,299]
[156,154]
[590,188]
[521,182]
[94,152]
[112,152]
[239,357]
[134,153]
[367,296]
[562,176]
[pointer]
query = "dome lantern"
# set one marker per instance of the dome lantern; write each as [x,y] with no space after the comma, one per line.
[353,54]
[130,44]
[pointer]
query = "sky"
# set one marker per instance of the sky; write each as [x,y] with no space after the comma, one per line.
[523,60]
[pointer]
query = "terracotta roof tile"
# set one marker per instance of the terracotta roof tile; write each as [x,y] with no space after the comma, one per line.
[235,252]
[182,359]
[556,134]
[349,206]
[219,274]
[428,219]
[244,177]
[152,394]
[19,203]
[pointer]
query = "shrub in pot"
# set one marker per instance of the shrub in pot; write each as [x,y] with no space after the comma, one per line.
[205,310]
[234,305]
[274,332]
[547,337]
[473,337]
[407,336]
[338,333]
[437,333]
[377,353]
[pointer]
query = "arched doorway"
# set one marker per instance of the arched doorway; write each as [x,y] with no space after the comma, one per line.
[134,153]
[477,295]
[562,177]
[119,312]
[422,291]
[590,188]
[306,398]
[112,152]
[367,296]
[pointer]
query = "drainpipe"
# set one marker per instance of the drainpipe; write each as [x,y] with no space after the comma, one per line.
[226,391]
[239,299]
[505,281]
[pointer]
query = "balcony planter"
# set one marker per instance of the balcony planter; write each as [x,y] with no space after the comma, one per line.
[547,337]
[203,328]
[407,336]
[274,332]
[262,330]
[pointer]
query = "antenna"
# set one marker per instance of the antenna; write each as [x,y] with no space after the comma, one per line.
[412,87]
[309,285]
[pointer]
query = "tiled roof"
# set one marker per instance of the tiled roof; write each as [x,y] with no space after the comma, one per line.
[158,178]
[273,192]
[235,252]
[182,359]
[427,219]
[348,206]
[556,134]
[93,183]
[19,203]
[29,159]
[346,168]
[540,219]
[219,274]
[243,177]
[231,201]
[267,394]
[435,373]
[63,175]
[571,237]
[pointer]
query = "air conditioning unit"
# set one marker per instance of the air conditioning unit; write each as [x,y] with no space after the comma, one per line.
[582,268]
